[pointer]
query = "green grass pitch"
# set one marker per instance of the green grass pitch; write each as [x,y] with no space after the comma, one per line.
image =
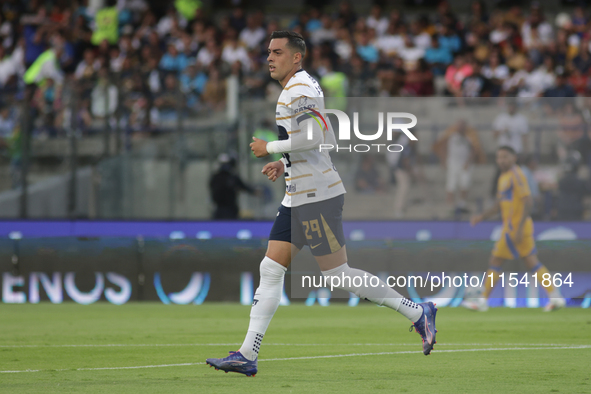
[65,348]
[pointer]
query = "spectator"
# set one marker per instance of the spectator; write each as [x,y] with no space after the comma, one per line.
[11,66]
[582,62]
[455,74]
[324,34]
[562,88]
[496,73]
[366,50]
[151,75]
[314,20]
[361,78]
[168,100]
[6,33]
[173,61]
[346,14]
[46,101]
[391,42]
[514,58]
[579,81]
[233,52]
[34,34]
[253,34]
[419,81]
[511,129]
[167,22]
[214,94]
[198,32]
[478,13]
[476,84]
[237,19]
[192,83]
[421,38]
[142,119]
[104,96]
[449,40]
[410,53]
[116,60]
[344,45]
[536,81]
[377,21]
[459,149]
[500,31]
[207,55]
[88,66]
[536,32]
[437,58]
[46,66]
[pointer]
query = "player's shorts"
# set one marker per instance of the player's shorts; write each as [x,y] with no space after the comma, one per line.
[318,225]
[506,248]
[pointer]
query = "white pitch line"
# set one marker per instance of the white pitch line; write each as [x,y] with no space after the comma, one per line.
[309,358]
[269,344]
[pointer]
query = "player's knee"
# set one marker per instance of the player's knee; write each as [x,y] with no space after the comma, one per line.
[271,270]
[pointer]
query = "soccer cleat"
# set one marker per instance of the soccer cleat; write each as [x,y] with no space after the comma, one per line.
[425,327]
[235,362]
[476,304]
[555,303]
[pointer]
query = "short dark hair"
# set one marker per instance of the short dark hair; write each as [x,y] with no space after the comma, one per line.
[507,148]
[295,41]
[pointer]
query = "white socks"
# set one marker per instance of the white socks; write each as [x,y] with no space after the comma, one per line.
[268,294]
[265,303]
[381,294]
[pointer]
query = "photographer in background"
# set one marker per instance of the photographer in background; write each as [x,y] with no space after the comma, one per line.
[224,186]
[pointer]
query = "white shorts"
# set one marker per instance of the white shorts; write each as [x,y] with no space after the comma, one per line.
[458,178]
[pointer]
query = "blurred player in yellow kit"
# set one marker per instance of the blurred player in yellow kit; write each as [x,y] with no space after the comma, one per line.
[514,202]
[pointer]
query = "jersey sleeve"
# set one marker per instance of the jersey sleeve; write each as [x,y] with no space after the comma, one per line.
[305,125]
[520,185]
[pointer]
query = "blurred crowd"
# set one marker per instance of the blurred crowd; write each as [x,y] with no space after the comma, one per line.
[150,64]
[123,63]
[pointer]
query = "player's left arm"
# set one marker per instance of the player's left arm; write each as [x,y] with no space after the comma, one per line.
[298,142]
[308,125]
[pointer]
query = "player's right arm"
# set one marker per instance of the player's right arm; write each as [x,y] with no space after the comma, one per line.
[306,127]
[489,213]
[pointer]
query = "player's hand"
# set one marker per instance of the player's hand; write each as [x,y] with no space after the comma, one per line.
[259,147]
[273,170]
[474,220]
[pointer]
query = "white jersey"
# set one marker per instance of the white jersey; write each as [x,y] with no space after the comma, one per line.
[310,175]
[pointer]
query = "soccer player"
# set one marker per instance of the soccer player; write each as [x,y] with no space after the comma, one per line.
[313,203]
[514,201]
